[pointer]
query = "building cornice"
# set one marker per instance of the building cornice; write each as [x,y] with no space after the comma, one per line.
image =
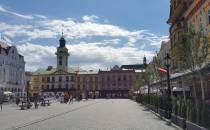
[194,7]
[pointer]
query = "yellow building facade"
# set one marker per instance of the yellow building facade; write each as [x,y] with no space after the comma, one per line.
[177,29]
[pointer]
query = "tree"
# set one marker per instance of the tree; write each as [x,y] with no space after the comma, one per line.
[196,52]
[150,75]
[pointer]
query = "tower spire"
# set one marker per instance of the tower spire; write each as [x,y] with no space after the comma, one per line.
[145,61]
[62,31]
[62,40]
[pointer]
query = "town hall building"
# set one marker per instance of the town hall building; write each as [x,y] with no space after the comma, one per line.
[114,83]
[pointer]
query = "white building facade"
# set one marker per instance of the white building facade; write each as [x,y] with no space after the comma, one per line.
[12,68]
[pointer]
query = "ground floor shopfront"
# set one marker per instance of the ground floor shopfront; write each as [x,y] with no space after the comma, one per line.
[182,84]
[113,93]
[86,94]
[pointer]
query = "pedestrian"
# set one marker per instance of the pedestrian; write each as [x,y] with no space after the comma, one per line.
[35,104]
[1,103]
[70,99]
[17,101]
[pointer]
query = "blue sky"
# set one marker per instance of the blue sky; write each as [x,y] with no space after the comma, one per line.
[100,33]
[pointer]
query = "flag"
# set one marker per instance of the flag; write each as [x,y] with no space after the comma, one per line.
[163,70]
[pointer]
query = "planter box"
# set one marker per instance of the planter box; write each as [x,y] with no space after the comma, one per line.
[153,108]
[179,121]
[192,126]
[149,106]
[161,112]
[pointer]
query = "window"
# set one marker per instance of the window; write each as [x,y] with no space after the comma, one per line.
[102,78]
[60,60]
[67,86]
[119,78]
[84,79]
[59,86]
[48,86]
[96,79]
[91,79]
[42,87]
[108,78]
[72,78]
[48,79]
[60,79]
[67,78]
[78,78]
[42,79]
[130,77]
[52,86]
[53,79]
[124,78]
[113,78]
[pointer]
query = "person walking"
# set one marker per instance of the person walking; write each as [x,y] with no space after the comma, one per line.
[36,104]
[1,103]
[70,99]
[17,101]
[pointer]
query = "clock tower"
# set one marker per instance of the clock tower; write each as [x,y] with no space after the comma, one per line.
[62,55]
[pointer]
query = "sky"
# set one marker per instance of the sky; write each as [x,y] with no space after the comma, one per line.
[99,33]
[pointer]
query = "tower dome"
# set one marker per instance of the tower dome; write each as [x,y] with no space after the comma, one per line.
[62,42]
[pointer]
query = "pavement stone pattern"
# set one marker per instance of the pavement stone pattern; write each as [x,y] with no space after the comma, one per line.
[99,114]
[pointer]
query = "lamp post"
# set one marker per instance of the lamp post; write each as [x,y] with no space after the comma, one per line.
[169,103]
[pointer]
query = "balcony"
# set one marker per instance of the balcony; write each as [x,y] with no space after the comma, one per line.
[178,26]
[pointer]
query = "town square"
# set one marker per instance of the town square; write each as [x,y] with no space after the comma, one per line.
[105,65]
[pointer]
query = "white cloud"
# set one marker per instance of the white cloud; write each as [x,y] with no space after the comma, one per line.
[85,55]
[97,44]
[40,16]
[90,18]
[2,9]
[37,56]
[50,28]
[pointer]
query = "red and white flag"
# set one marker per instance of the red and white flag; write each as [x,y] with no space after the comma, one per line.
[163,70]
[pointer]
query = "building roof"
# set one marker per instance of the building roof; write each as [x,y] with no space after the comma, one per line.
[84,72]
[115,71]
[51,70]
[133,67]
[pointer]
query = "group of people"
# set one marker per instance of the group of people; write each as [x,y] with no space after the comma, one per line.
[68,98]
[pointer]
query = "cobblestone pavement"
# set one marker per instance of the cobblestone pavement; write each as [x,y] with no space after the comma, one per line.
[100,114]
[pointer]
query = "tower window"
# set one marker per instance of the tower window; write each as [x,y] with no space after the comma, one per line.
[60,60]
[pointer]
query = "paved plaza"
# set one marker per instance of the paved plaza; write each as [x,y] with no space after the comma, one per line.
[99,114]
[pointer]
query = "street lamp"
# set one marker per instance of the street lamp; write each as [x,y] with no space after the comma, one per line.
[169,104]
